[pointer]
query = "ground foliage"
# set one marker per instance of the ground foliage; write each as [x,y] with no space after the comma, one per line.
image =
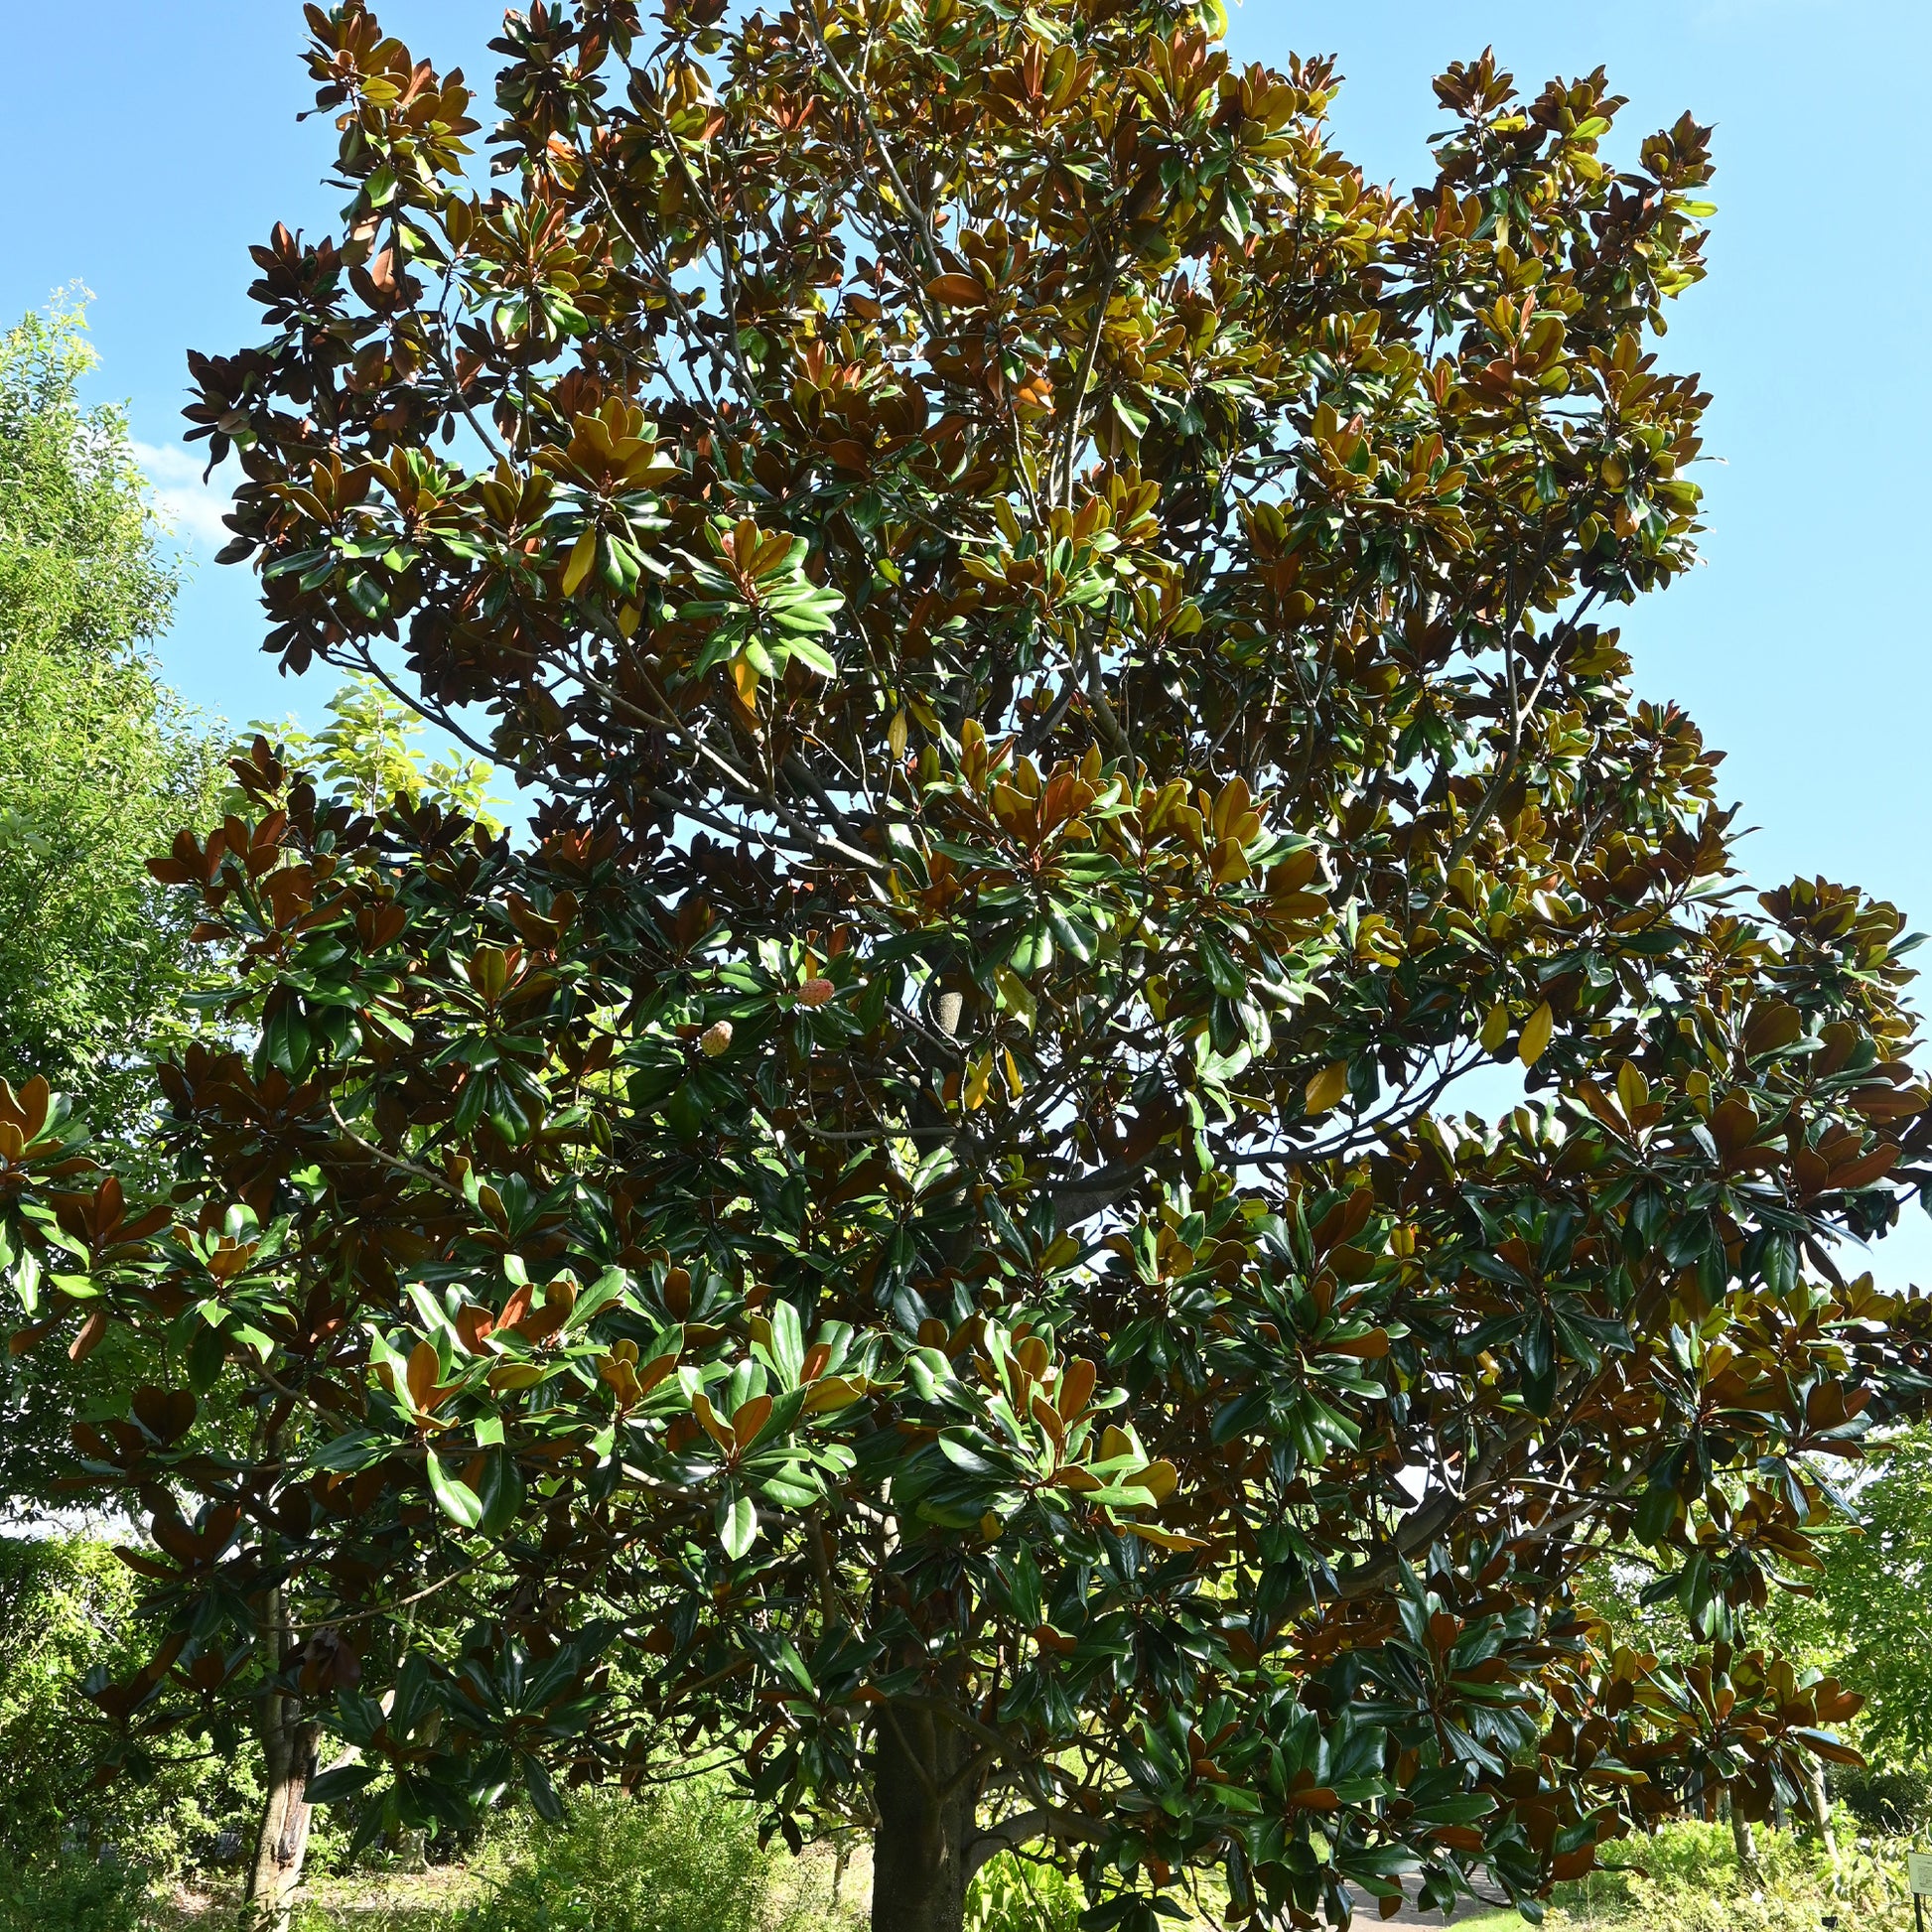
[1686,1878]
[1055,632]
[683,1859]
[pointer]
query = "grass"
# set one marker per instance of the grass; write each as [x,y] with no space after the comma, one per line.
[695,1866]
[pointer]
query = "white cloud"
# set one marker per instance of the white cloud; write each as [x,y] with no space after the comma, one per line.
[190,509]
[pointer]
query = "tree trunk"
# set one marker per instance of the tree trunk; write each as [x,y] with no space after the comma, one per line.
[1740,1837]
[289,1762]
[926,1796]
[1821,1804]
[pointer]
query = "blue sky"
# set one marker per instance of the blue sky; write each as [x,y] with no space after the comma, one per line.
[165,140]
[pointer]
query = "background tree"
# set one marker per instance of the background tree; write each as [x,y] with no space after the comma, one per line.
[1866,1609]
[1054,627]
[99,763]
[368,756]
[1854,1607]
[68,1608]
[99,767]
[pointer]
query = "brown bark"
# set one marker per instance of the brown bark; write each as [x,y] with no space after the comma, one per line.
[1747,1846]
[289,1762]
[926,1792]
[1821,1805]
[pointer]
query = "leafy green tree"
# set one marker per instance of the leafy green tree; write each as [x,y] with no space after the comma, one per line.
[906,1237]
[99,768]
[99,763]
[369,754]
[1866,1613]
[69,1607]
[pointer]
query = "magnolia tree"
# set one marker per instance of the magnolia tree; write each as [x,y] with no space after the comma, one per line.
[905,1235]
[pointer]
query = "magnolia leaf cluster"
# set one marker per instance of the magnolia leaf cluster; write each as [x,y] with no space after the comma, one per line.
[912,1233]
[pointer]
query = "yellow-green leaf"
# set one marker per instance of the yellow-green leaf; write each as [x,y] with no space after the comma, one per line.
[583,554]
[1535,1035]
[1326,1088]
[979,1075]
[1015,995]
[1159,1479]
[1632,1089]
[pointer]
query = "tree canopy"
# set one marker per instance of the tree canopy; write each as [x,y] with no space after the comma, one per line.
[1865,1611]
[99,763]
[910,1234]
[99,767]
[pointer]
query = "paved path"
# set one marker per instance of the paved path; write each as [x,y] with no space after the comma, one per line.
[1412,1915]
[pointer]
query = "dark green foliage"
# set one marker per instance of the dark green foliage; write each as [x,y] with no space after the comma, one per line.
[1888,1802]
[906,1232]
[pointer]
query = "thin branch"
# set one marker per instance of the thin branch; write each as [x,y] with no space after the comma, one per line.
[916,214]
[1071,442]
[394,1161]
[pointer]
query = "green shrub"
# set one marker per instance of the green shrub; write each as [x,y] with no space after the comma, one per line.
[67,1604]
[74,1894]
[1684,1857]
[685,1859]
[1013,1894]
[1686,1878]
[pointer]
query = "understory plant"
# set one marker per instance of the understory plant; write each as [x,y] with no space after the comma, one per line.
[1687,1878]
